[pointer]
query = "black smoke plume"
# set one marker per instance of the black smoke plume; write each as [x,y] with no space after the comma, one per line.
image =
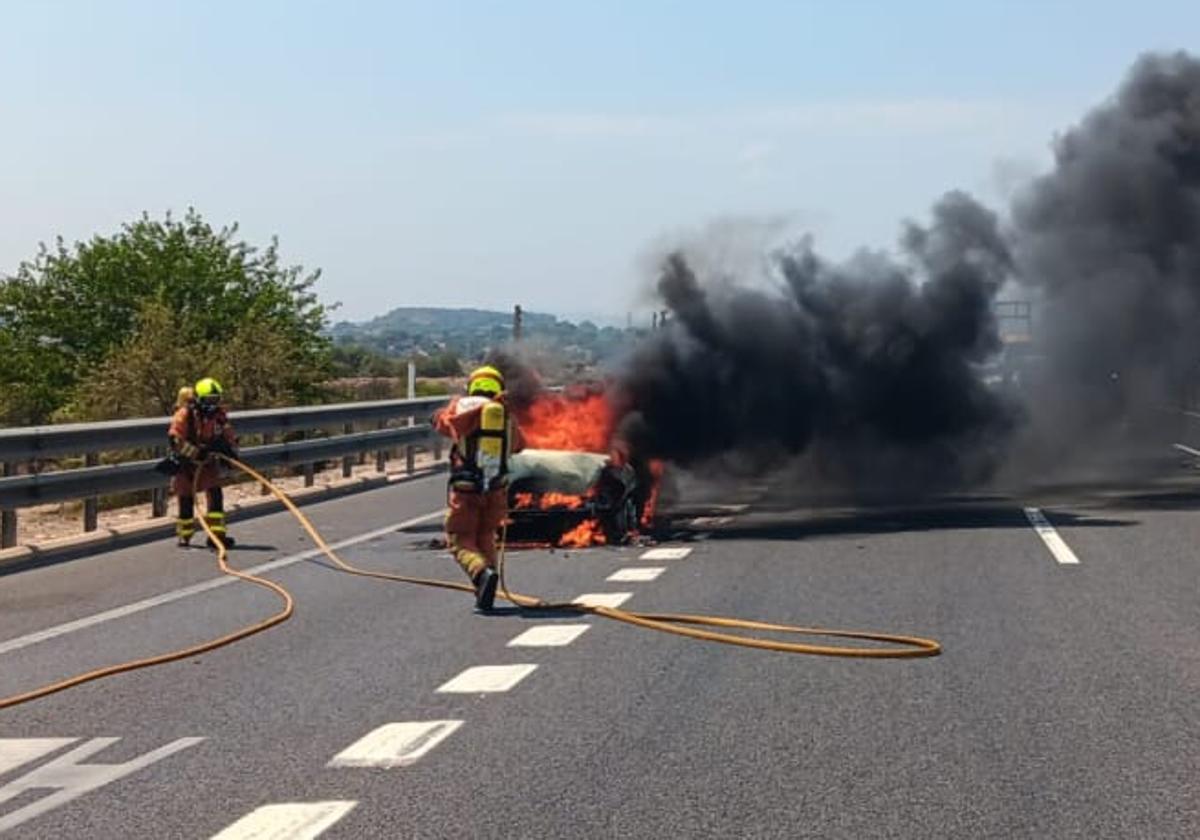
[868,365]
[872,370]
[1109,244]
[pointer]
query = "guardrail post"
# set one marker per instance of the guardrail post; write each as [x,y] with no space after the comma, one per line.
[8,518]
[158,496]
[410,451]
[310,469]
[381,455]
[263,490]
[91,505]
[348,461]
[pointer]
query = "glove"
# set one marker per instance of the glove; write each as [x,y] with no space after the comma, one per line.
[221,447]
[169,466]
[190,451]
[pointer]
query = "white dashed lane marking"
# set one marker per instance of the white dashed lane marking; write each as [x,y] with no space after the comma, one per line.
[666,554]
[1058,547]
[395,744]
[636,574]
[603,599]
[487,678]
[287,821]
[710,521]
[549,635]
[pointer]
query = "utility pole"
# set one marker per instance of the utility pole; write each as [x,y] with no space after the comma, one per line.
[517,322]
[653,321]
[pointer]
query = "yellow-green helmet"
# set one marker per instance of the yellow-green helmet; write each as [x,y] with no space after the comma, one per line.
[485,381]
[208,390]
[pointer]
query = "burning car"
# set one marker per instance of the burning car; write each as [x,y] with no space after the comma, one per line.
[573,498]
[574,484]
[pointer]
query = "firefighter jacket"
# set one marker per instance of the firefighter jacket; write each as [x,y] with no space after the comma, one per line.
[191,426]
[483,436]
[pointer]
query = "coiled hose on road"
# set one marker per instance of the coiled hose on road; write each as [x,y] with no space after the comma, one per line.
[680,624]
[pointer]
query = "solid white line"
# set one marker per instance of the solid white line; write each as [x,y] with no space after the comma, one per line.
[1061,551]
[549,635]
[198,588]
[1193,452]
[395,744]
[636,574]
[603,599]
[287,821]
[487,678]
[666,554]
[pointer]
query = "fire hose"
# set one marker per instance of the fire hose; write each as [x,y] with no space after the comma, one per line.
[681,624]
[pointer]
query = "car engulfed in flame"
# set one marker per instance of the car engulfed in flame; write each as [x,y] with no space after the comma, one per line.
[573,499]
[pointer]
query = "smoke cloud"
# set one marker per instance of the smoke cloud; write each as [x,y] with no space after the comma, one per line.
[872,370]
[1109,244]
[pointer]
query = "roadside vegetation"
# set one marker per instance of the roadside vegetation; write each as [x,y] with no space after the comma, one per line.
[112,327]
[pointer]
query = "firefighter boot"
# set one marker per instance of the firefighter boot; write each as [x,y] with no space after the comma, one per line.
[184,529]
[215,519]
[485,588]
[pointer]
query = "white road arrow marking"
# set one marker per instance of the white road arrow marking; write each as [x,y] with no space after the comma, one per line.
[71,779]
[17,751]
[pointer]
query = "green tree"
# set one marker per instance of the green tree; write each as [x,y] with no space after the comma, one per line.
[74,313]
[142,375]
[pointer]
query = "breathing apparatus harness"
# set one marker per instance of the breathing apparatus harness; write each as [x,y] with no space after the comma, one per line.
[480,464]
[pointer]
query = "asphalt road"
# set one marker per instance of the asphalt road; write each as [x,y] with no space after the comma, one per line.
[1064,704]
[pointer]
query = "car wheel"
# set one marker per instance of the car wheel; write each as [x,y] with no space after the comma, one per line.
[621,523]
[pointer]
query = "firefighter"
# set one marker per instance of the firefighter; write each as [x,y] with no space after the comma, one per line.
[198,428]
[483,437]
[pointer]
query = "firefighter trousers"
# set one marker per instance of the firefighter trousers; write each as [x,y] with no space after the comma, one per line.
[473,526]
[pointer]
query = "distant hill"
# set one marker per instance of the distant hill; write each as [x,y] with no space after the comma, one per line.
[428,320]
[421,330]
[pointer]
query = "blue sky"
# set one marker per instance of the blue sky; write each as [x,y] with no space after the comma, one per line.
[484,154]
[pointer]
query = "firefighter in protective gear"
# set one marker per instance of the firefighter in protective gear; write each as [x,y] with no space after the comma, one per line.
[483,436]
[198,427]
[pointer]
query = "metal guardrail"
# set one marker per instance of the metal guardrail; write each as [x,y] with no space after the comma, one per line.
[24,445]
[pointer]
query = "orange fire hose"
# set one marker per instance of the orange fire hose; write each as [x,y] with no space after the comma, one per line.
[681,624]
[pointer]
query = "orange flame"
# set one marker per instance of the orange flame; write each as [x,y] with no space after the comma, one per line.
[545,501]
[656,473]
[573,422]
[585,534]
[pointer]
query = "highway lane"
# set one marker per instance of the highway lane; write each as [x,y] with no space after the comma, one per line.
[1063,705]
[31,599]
